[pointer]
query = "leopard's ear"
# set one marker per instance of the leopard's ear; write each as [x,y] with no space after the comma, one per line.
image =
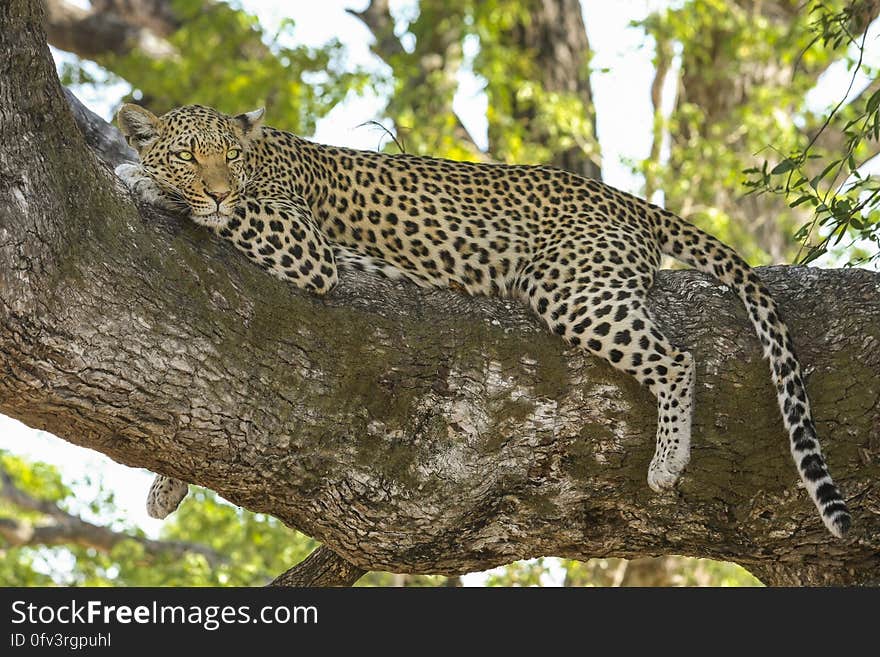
[139,125]
[250,123]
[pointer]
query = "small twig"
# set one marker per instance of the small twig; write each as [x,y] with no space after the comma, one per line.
[387,132]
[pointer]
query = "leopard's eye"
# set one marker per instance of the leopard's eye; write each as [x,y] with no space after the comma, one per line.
[232,154]
[186,156]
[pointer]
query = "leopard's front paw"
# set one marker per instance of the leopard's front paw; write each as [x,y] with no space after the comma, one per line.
[131,174]
[141,185]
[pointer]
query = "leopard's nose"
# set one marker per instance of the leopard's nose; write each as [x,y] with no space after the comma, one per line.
[217,196]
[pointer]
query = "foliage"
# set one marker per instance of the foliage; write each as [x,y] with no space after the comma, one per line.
[224,58]
[424,121]
[20,567]
[845,203]
[746,69]
[256,547]
[659,571]
[535,572]
[527,124]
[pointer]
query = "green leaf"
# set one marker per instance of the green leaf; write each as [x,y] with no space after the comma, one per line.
[812,254]
[786,165]
[803,199]
[814,183]
[874,101]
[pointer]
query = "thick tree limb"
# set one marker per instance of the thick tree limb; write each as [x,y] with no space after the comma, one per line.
[63,528]
[407,430]
[323,567]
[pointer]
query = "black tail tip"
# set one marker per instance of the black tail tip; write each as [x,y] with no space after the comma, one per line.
[840,525]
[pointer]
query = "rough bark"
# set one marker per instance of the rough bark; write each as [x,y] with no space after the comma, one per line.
[408,430]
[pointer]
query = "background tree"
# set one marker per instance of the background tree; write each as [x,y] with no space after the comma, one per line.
[826,171]
[529,120]
[746,67]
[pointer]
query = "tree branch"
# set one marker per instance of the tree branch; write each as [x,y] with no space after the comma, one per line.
[111,27]
[408,430]
[64,528]
[378,19]
[323,567]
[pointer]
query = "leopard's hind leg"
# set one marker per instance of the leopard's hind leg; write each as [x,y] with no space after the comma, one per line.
[609,319]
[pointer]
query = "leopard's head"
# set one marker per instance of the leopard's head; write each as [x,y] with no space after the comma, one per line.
[197,155]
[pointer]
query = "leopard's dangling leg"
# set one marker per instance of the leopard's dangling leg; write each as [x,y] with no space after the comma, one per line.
[618,328]
[166,494]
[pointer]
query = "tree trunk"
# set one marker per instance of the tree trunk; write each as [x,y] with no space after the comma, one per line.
[409,430]
[722,82]
[552,48]
[424,121]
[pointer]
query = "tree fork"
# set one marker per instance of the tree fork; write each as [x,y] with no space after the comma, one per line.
[408,430]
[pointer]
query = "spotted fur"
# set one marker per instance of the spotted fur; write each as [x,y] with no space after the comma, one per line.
[166,494]
[582,254]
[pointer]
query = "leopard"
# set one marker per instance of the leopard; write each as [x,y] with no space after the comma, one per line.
[580,253]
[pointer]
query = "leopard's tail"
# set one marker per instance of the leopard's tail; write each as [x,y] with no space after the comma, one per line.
[691,245]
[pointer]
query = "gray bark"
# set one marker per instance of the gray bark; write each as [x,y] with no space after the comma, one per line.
[408,430]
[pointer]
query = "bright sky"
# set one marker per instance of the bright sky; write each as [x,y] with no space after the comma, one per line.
[624,128]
